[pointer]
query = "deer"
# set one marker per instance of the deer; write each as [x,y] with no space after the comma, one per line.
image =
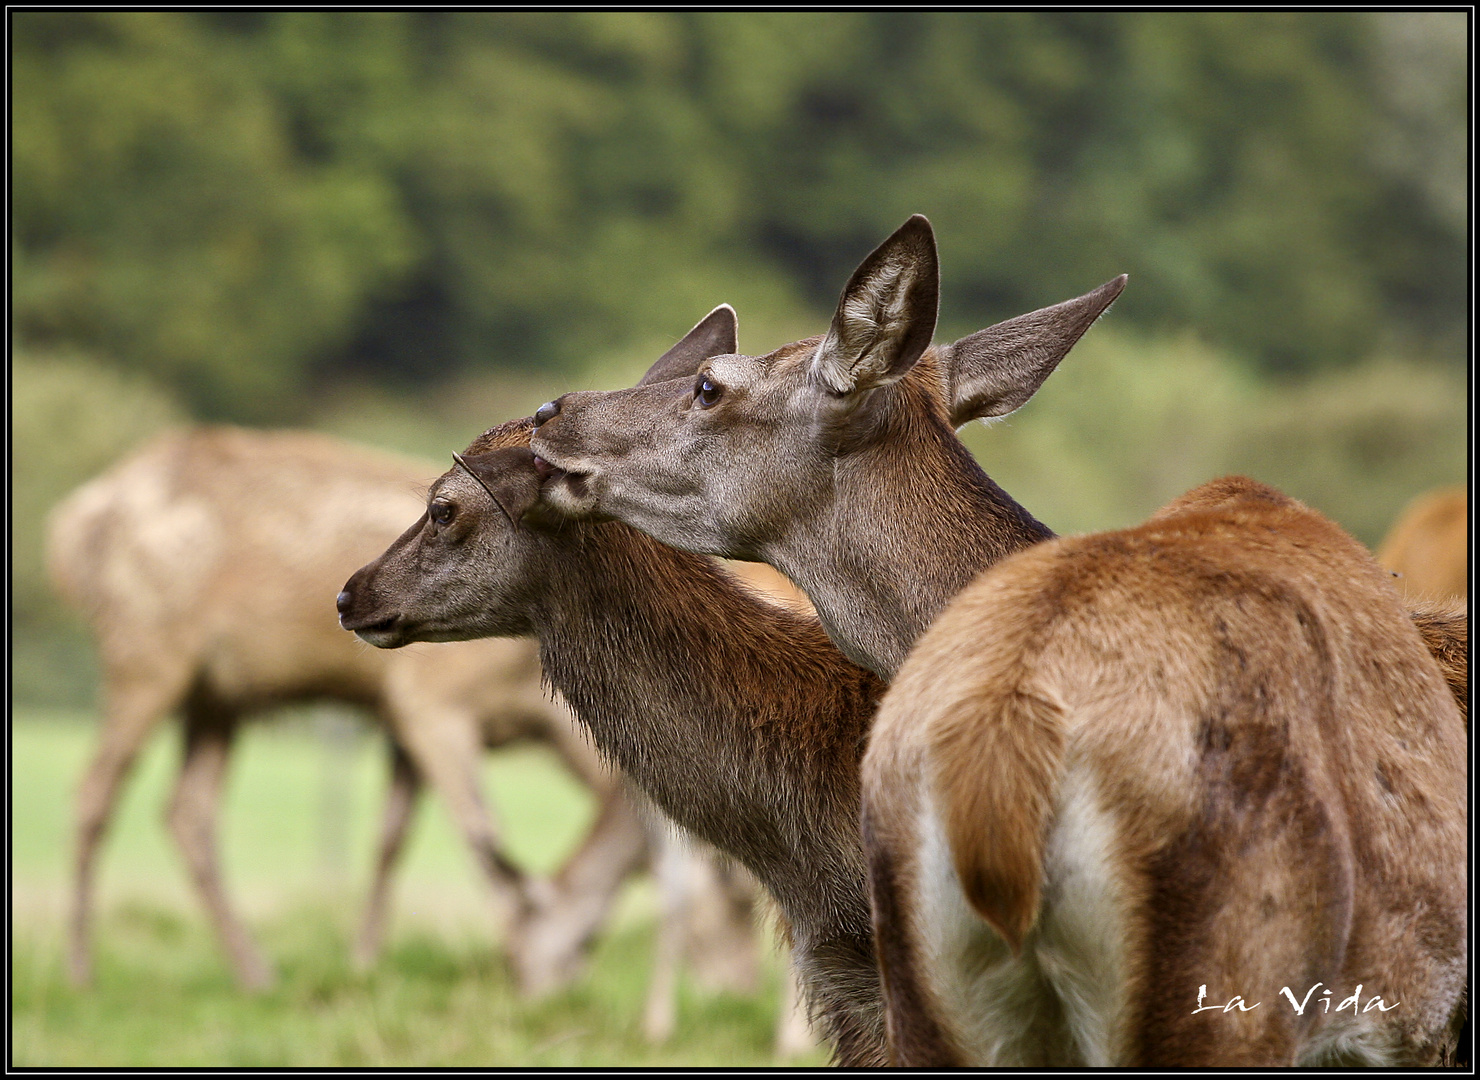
[734,715]
[1428,547]
[834,459]
[182,557]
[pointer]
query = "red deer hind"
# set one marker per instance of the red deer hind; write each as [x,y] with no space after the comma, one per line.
[834,460]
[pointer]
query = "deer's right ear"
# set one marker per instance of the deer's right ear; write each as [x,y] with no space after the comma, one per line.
[714,336]
[886,315]
[996,370]
[509,477]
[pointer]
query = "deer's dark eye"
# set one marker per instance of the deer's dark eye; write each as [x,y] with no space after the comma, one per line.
[441,513]
[707,391]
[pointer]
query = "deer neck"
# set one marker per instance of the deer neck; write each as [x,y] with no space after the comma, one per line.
[913,518]
[737,717]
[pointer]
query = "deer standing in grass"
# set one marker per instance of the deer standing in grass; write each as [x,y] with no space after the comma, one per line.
[1017,876]
[205,565]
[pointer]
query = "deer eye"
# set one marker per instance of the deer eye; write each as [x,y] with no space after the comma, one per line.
[441,512]
[707,391]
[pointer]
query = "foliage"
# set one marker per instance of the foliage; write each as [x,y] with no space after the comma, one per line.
[1127,423]
[242,202]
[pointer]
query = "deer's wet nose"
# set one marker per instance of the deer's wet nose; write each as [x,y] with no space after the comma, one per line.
[342,601]
[546,412]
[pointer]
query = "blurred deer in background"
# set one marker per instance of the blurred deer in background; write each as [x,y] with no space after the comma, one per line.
[1428,547]
[182,556]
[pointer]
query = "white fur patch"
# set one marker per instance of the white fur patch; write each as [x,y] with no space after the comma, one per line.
[1059,1003]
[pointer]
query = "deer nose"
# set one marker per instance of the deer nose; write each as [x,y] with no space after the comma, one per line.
[546,412]
[342,601]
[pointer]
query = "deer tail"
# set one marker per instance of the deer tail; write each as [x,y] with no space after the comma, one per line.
[998,757]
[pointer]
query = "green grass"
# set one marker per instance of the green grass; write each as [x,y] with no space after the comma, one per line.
[163,995]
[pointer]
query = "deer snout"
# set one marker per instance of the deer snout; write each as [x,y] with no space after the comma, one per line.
[359,613]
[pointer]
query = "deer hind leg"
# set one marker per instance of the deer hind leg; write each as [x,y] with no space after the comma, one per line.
[445,748]
[553,937]
[192,816]
[676,886]
[722,928]
[134,701]
[400,801]
[794,1035]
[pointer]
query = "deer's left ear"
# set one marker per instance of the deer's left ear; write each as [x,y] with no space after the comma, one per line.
[509,477]
[886,315]
[713,336]
[996,370]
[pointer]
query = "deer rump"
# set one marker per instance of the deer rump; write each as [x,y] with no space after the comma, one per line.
[1206,753]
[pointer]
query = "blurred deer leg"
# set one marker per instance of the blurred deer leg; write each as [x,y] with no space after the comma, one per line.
[133,705]
[400,800]
[793,1031]
[722,933]
[550,944]
[675,871]
[192,818]
[447,753]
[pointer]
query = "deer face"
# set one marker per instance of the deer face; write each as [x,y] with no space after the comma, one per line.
[725,459]
[465,569]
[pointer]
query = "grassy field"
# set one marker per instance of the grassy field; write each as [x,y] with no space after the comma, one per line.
[439,997]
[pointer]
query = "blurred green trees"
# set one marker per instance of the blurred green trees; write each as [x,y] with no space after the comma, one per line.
[243,203]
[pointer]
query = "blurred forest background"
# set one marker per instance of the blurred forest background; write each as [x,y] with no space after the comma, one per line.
[404,227]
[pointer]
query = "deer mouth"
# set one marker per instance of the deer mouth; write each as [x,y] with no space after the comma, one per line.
[382,633]
[552,476]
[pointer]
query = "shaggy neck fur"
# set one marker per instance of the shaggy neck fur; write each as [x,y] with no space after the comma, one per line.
[914,518]
[744,724]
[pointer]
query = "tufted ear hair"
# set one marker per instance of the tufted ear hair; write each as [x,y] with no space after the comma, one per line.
[996,370]
[509,477]
[713,336]
[886,315]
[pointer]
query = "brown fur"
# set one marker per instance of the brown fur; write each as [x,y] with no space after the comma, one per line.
[735,715]
[1228,672]
[206,565]
[1428,547]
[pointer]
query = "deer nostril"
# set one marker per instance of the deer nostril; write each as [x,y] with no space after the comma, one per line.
[546,412]
[342,601]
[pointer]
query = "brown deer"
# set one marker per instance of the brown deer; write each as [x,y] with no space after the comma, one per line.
[1428,547]
[735,715]
[181,557]
[1204,754]
[834,460]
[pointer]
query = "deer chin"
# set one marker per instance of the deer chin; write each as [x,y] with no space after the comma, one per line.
[567,491]
[389,633]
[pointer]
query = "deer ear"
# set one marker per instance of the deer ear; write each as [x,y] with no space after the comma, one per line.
[508,476]
[714,336]
[996,370]
[886,315]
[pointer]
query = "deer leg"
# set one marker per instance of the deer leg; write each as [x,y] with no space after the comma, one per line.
[793,1030]
[400,800]
[446,751]
[553,937]
[722,940]
[675,870]
[133,705]
[192,818]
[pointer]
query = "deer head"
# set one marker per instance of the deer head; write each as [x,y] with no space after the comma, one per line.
[802,457]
